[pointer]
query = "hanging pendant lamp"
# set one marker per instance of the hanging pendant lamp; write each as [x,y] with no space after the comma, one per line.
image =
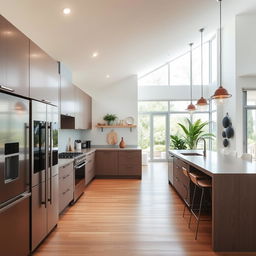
[191,107]
[221,92]
[202,102]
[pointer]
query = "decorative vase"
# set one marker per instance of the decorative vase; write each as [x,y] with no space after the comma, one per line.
[122,143]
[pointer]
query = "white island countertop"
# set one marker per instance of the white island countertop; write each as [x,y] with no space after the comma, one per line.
[216,163]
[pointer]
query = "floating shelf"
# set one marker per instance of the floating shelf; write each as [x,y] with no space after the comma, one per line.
[116,126]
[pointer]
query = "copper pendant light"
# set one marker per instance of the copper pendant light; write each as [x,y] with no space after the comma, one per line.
[191,107]
[221,92]
[202,102]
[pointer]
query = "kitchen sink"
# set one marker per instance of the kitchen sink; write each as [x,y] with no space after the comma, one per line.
[191,154]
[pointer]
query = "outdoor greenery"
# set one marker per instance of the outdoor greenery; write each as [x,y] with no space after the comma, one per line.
[177,142]
[194,131]
[109,118]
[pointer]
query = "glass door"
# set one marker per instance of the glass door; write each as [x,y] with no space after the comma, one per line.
[159,137]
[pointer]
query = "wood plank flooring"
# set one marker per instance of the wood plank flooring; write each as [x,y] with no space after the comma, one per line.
[129,218]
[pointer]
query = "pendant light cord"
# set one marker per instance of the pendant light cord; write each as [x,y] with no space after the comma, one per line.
[191,70]
[202,66]
[220,43]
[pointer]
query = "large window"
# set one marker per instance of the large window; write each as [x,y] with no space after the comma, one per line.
[177,71]
[250,122]
[158,120]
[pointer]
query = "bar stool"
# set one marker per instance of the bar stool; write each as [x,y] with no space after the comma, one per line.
[195,174]
[202,184]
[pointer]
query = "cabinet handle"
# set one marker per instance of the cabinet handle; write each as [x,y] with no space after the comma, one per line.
[6,88]
[64,177]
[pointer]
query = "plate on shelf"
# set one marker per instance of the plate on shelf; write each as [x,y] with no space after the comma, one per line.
[129,120]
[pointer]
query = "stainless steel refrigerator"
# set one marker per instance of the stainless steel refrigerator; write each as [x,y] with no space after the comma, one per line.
[44,170]
[14,175]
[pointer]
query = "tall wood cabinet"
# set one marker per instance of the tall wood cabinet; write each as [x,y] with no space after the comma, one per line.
[67,92]
[44,76]
[83,105]
[14,59]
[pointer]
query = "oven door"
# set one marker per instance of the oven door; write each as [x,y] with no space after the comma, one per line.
[79,180]
[14,146]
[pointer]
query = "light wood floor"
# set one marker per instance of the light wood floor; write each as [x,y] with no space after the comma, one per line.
[129,218]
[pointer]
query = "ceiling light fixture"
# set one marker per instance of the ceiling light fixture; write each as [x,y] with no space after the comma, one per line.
[191,107]
[66,11]
[202,102]
[95,54]
[221,93]
[107,76]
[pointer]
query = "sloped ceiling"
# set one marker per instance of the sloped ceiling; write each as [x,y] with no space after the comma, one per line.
[131,36]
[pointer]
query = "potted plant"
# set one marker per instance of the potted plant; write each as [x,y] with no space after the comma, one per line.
[177,142]
[110,118]
[194,132]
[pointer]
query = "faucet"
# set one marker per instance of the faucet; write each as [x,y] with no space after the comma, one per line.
[203,139]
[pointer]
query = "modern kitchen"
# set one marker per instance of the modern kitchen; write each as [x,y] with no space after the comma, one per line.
[116,139]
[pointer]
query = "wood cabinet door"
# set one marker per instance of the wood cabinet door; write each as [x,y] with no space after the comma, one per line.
[87,111]
[129,162]
[78,105]
[67,92]
[14,58]
[106,162]
[44,76]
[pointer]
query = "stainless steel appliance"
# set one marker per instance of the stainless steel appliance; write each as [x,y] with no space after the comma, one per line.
[44,170]
[79,171]
[14,175]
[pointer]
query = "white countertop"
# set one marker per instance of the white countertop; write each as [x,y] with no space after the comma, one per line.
[216,163]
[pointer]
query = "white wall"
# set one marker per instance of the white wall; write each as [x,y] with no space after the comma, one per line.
[239,72]
[170,92]
[121,99]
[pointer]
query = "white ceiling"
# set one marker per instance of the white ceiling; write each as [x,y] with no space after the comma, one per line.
[131,36]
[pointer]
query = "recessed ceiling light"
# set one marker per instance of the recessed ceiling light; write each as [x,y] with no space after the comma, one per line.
[107,76]
[66,11]
[95,54]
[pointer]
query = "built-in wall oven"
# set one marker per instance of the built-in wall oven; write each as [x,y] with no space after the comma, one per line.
[79,173]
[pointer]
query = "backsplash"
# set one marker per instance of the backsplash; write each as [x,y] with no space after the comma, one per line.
[64,136]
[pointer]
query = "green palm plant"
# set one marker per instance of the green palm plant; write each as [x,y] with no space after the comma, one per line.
[194,132]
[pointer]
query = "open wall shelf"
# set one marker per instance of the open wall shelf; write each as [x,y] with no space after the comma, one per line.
[116,126]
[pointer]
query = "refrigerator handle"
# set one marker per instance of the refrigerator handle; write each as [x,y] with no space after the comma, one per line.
[50,130]
[46,166]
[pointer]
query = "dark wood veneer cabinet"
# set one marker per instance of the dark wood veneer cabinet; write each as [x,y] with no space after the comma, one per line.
[119,163]
[106,162]
[14,58]
[44,76]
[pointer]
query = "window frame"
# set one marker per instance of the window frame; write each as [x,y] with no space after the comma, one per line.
[245,120]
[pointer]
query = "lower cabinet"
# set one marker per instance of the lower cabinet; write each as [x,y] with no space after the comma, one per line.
[90,168]
[180,181]
[118,163]
[66,186]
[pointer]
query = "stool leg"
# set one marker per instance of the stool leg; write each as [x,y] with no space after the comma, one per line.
[185,203]
[192,205]
[199,214]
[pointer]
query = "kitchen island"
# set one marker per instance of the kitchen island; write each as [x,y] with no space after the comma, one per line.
[233,196]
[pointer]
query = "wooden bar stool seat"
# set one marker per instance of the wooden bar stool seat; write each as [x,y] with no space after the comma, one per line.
[196,175]
[201,183]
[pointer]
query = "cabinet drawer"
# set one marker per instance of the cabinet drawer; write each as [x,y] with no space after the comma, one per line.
[65,170]
[65,198]
[130,156]
[90,156]
[66,182]
[129,169]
